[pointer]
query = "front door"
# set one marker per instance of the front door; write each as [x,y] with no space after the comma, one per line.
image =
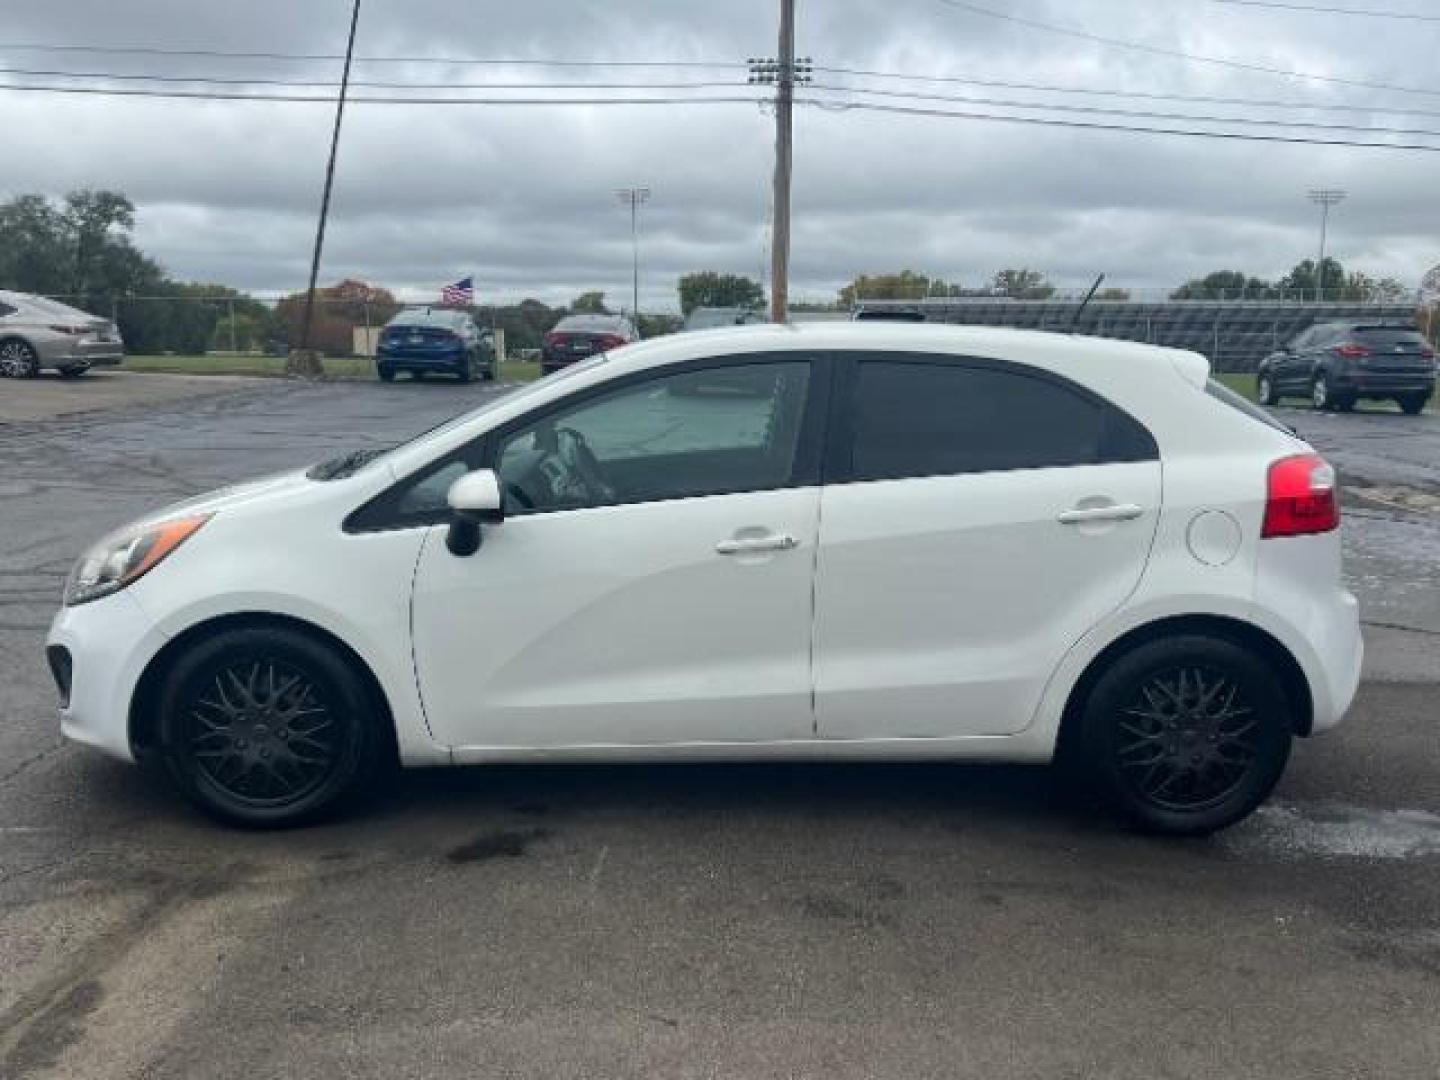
[651,584]
[982,519]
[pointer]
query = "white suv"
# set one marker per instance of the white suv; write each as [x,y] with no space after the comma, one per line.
[835,541]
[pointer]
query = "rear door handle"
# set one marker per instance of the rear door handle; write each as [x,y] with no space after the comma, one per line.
[1085,515]
[750,544]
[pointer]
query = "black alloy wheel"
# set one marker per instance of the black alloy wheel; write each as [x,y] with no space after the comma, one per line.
[266,727]
[1187,735]
[18,360]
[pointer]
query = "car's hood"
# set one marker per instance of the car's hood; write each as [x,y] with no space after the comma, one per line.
[241,494]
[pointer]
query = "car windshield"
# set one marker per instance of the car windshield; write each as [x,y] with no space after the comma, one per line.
[352,461]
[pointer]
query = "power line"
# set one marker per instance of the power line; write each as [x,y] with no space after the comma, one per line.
[1087,125]
[1101,110]
[1320,10]
[224,54]
[213,95]
[211,80]
[1198,99]
[1160,50]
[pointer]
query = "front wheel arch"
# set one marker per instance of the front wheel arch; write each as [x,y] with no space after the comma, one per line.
[1247,635]
[144,719]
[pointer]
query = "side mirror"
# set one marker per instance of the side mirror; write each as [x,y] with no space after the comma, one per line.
[475,500]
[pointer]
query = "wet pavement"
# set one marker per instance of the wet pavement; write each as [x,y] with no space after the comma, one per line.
[679,921]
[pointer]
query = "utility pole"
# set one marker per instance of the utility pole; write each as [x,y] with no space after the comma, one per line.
[1324,198]
[635,197]
[305,361]
[784,71]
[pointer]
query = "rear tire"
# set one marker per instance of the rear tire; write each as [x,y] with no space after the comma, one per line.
[1185,735]
[1412,404]
[387,374]
[265,727]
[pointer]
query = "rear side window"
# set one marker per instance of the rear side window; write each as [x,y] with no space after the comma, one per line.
[1221,392]
[920,418]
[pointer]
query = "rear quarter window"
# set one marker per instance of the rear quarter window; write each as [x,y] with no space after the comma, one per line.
[1221,392]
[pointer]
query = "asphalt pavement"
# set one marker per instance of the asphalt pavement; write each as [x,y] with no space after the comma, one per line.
[682,921]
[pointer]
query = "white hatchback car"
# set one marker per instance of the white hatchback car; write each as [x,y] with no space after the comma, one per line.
[834,541]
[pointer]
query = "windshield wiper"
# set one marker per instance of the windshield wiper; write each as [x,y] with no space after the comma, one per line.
[345,465]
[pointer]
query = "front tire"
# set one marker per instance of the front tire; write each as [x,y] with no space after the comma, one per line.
[18,360]
[75,371]
[1320,395]
[386,373]
[1186,735]
[266,727]
[1265,391]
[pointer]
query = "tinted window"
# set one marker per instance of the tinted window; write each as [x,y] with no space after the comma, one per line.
[706,432]
[6,309]
[929,419]
[1388,337]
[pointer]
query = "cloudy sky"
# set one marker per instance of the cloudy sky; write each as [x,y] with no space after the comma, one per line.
[523,196]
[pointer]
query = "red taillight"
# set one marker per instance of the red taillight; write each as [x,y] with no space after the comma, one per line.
[1352,351]
[1427,353]
[609,341]
[59,329]
[1301,497]
[552,338]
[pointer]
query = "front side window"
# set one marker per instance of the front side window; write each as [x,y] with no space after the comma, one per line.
[703,432]
[915,419]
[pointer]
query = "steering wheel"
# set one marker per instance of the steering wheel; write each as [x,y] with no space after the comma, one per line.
[587,467]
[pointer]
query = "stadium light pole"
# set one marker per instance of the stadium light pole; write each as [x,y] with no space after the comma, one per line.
[304,361]
[635,197]
[1324,198]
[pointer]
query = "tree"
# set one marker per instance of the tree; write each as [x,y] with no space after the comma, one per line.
[710,289]
[1301,281]
[1113,294]
[657,325]
[1225,285]
[339,309]
[89,217]
[590,303]
[1023,284]
[906,285]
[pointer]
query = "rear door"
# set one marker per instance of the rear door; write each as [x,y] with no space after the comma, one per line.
[979,517]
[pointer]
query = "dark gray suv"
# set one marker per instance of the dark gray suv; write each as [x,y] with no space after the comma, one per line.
[1336,364]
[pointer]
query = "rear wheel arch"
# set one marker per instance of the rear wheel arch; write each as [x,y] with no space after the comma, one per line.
[1247,635]
[144,720]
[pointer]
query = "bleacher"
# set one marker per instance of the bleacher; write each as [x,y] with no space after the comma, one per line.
[1234,334]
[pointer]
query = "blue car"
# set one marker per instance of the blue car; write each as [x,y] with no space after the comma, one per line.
[439,340]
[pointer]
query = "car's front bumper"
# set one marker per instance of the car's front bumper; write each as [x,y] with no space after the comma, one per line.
[108,643]
[66,352]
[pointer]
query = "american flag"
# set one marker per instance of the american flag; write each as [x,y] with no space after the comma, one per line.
[462,292]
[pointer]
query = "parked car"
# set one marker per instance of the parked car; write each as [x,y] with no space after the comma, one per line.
[711,318]
[902,543]
[37,333]
[577,337]
[1336,364]
[423,341]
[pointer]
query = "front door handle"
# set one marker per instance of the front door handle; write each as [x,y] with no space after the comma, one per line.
[1088,514]
[749,545]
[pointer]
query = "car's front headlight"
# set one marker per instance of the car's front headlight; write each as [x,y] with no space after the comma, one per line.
[124,556]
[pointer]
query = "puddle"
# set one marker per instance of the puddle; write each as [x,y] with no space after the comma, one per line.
[1335,831]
